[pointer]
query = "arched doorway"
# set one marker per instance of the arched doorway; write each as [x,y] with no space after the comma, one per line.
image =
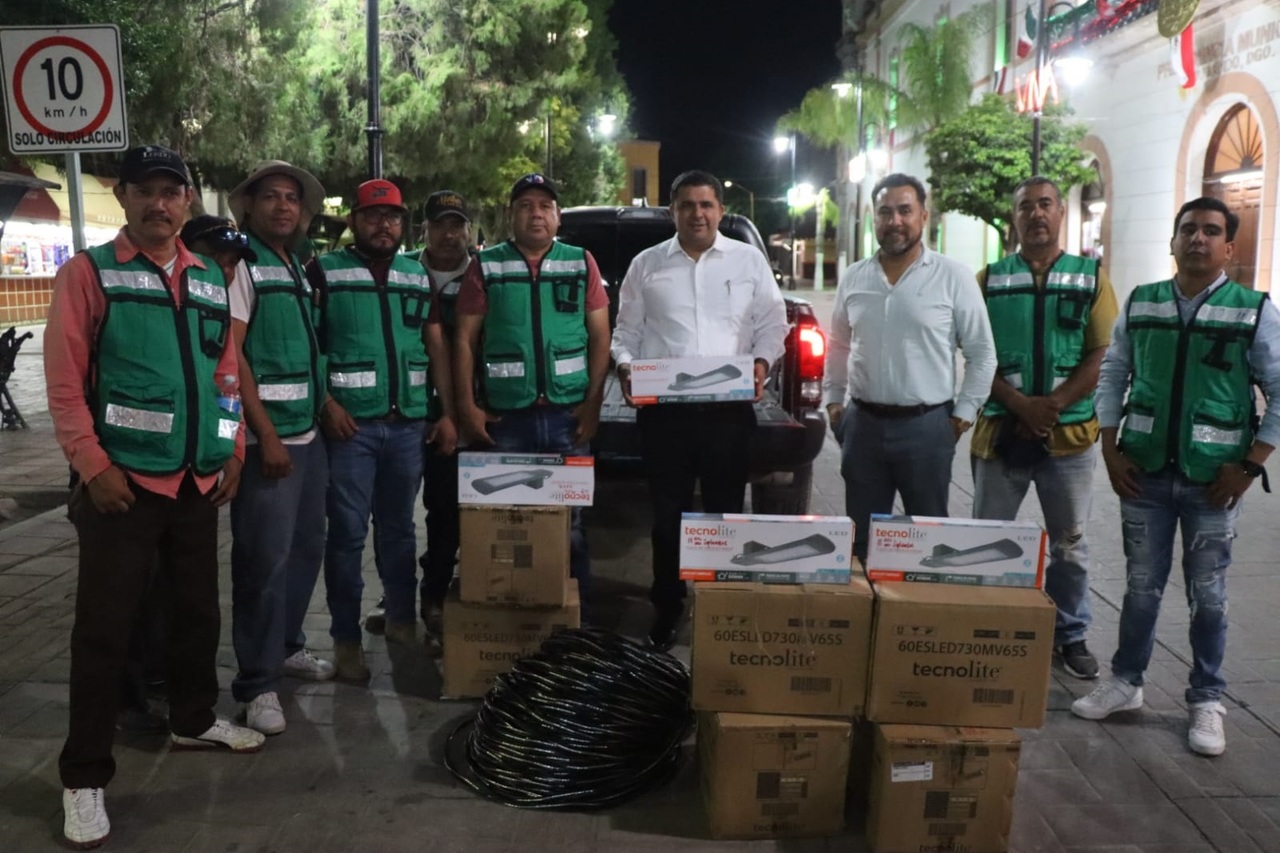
[1093,206]
[1233,173]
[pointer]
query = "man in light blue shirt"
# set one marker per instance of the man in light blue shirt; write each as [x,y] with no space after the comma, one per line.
[899,318]
[1185,353]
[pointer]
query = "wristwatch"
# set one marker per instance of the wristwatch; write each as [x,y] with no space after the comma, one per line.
[1251,468]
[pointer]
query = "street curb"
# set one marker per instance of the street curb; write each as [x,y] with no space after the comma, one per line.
[17,528]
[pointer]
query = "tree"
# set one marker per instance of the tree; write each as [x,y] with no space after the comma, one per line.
[978,158]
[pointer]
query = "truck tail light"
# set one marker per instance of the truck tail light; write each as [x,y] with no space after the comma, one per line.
[812,351]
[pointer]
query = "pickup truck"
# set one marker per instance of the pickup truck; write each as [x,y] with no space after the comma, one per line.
[791,425]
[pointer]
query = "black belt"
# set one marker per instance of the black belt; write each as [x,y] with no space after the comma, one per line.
[882,410]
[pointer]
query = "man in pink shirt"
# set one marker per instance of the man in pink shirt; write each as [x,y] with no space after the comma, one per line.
[141,373]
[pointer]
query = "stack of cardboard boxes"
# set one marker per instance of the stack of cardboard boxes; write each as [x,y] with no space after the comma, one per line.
[513,589]
[962,646]
[781,630]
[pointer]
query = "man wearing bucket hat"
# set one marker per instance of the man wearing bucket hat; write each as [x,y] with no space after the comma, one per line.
[380,348]
[542,381]
[277,519]
[137,348]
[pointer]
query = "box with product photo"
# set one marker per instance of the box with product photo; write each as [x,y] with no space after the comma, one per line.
[767,548]
[515,555]
[701,379]
[960,656]
[526,479]
[956,551]
[770,649]
[942,788]
[773,776]
[482,641]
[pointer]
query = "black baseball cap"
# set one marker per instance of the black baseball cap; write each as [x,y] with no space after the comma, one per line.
[144,161]
[534,181]
[446,203]
[220,234]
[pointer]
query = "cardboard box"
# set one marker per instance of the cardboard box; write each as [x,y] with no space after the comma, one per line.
[773,777]
[942,788]
[701,379]
[956,550]
[960,656]
[482,641]
[526,479]
[767,649]
[765,548]
[514,555]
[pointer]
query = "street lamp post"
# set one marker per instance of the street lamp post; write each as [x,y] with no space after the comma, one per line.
[1077,68]
[781,144]
[751,197]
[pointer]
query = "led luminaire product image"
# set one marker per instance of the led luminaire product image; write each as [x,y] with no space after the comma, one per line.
[756,554]
[533,479]
[686,382]
[944,556]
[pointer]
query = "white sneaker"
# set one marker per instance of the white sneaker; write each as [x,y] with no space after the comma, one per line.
[1107,698]
[303,664]
[221,734]
[1206,735]
[264,714]
[85,821]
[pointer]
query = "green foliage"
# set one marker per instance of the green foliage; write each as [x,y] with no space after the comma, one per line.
[936,68]
[976,159]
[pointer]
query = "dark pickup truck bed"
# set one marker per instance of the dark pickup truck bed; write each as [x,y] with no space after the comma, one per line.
[791,427]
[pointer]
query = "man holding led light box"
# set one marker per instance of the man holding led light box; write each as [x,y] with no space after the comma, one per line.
[1185,352]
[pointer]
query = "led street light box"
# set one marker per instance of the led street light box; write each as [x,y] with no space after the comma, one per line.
[534,479]
[960,656]
[772,649]
[956,551]
[693,380]
[767,776]
[482,641]
[942,788]
[766,548]
[514,555]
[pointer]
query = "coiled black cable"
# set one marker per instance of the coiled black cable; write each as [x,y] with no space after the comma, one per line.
[589,721]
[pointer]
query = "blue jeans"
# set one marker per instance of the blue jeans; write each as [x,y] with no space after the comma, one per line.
[1150,521]
[378,471]
[880,456]
[277,529]
[1064,485]
[548,429]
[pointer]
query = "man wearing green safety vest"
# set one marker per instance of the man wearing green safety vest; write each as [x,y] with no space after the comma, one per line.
[1185,352]
[277,519]
[141,373]
[540,308]
[1051,315]
[382,354]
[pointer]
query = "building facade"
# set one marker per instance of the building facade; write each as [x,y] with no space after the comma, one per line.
[1152,143]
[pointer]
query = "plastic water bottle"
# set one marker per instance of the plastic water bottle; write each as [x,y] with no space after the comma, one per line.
[229,396]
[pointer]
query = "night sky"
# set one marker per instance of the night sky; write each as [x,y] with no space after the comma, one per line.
[709,78]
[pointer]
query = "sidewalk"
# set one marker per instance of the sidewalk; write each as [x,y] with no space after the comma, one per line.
[362,769]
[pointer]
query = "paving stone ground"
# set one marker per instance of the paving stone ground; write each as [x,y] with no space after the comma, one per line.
[362,769]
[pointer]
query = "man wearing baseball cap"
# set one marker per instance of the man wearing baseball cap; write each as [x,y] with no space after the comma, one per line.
[277,518]
[138,357]
[542,381]
[374,331]
[447,235]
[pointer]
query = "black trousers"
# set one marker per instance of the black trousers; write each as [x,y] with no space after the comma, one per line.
[117,555]
[683,444]
[440,497]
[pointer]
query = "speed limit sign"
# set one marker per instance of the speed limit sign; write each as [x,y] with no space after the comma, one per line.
[63,89]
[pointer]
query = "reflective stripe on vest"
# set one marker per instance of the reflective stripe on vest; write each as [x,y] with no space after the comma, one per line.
[362,379]
[141,419]
[283,391]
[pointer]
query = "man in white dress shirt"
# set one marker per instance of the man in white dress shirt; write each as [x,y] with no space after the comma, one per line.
[698,294]
[891,373]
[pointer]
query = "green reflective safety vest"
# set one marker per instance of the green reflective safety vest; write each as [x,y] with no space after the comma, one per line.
[1191,403]
[154,397]
[372,336]
[281,342]
[535,332]
[1040,332]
